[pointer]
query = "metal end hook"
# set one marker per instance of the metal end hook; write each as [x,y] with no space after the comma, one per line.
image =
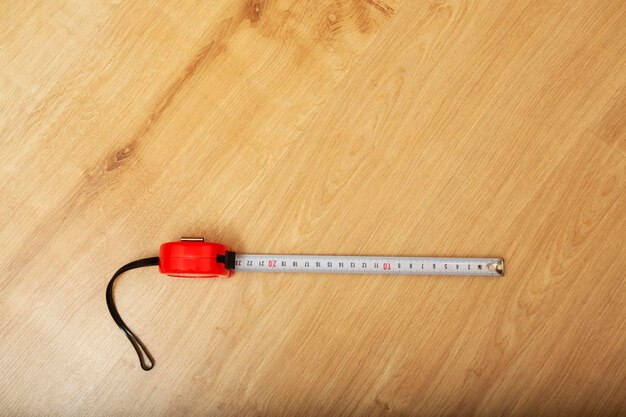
[497,266]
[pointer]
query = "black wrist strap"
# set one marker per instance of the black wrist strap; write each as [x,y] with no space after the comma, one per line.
[145,359]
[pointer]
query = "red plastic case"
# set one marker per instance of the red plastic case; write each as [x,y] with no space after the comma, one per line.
[188,259]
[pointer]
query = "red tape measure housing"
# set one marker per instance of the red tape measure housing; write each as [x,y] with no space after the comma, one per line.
[188,259]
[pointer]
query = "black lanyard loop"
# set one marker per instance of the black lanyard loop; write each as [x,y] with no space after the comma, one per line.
[145,359]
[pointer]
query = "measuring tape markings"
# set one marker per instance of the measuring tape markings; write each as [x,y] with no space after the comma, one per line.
[393,265]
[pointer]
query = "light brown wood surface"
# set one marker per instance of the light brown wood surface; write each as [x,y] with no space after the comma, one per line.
[443,128]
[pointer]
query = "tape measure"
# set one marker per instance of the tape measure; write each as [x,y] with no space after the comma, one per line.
[195,258]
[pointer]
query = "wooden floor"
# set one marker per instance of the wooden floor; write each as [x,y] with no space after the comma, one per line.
[424,127]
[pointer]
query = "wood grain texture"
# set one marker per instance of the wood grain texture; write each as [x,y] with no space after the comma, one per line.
[466,128]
